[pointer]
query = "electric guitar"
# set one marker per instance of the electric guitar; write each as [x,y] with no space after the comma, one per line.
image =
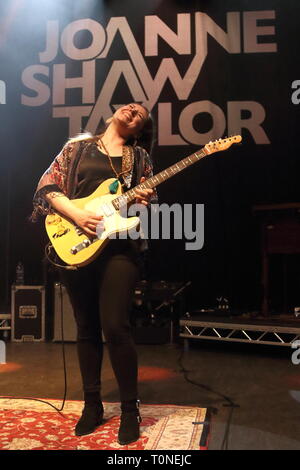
[76,248]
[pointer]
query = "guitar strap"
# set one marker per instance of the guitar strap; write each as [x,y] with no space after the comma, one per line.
[127,164]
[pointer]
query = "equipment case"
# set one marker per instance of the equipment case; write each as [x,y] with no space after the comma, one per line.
[28,313]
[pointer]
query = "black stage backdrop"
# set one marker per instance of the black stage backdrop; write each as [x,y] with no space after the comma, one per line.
[206,69]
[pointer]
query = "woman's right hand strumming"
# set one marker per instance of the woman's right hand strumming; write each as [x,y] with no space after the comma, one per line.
[88,221]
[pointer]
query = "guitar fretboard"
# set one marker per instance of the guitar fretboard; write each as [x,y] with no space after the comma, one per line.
[155,180]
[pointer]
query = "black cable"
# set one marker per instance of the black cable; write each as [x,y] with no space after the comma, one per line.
[63,346]
[64,365]
[224,445]
[47,251]
[230,403]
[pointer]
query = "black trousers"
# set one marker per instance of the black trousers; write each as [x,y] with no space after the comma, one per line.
[101,294]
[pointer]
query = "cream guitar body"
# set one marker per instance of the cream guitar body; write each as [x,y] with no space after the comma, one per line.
[75,247]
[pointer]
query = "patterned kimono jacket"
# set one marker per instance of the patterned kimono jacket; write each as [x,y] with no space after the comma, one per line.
[62,175]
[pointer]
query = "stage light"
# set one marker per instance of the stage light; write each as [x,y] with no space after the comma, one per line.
[10,367]
[155,373]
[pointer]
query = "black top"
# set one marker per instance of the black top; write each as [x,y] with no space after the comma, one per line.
[94,168]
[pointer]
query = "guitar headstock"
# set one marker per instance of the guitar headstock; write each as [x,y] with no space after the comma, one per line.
[222,144]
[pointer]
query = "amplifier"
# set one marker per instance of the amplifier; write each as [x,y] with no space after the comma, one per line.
[62,301]
[27,313]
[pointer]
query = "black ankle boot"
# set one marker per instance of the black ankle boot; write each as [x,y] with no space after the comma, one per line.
[91,418]
[129,430]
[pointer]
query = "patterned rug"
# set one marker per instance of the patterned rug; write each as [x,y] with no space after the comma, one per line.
[33,425]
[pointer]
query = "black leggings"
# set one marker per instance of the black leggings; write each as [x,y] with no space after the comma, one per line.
[101,294]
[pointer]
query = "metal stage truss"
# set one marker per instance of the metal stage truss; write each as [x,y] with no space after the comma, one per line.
[242,331]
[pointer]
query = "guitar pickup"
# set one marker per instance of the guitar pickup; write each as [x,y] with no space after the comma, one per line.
[78,230]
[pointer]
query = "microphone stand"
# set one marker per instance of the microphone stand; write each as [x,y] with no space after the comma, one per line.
[170,303]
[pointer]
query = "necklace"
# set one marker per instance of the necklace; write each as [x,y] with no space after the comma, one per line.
[127,162]
[109,158]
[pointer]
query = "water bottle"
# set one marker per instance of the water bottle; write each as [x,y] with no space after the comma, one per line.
[20,274]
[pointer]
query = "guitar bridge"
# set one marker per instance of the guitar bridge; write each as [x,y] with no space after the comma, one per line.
[81,246]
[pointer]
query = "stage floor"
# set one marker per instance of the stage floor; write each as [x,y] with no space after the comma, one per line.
[260,379]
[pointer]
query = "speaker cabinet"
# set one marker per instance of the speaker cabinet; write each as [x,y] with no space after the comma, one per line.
[63,309]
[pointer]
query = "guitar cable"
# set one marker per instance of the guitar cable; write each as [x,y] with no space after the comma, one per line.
[229,402]
[59,410]
[48,249]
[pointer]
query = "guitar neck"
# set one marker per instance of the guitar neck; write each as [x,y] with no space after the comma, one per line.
[155,180]
[150,183]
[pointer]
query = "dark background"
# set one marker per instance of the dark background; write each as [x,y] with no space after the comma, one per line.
[228,183]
